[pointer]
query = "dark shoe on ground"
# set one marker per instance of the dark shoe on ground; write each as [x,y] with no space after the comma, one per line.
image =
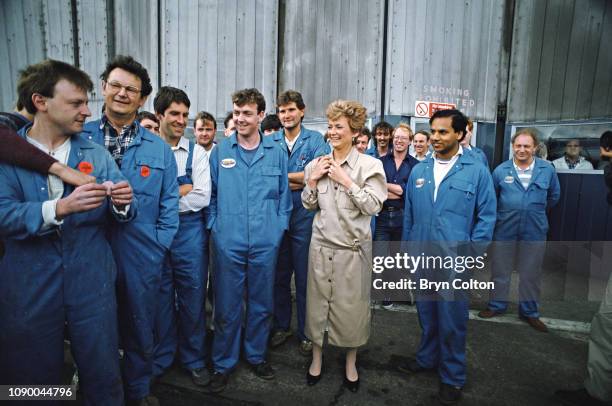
[411,366]
[149,400]
[536,323]
[579,397]
[312,380]
[353,386]
[305,348]
[263,371]
[279,337]
[488,313]
[449,394]
[200,376]
[218,382]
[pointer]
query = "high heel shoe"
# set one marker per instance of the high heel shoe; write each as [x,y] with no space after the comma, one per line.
[312,380]
[353,386]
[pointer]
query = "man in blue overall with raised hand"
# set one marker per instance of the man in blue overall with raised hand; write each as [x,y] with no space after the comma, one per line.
[58,271]
[301,146]
[250,208]
[140,246]
[181,322]
[449,200]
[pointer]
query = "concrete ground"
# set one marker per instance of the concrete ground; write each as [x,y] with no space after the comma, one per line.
[509,363]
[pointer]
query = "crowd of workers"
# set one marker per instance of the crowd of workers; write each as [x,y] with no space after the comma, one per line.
[108,228]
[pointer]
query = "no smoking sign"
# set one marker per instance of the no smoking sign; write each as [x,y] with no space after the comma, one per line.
[427,109]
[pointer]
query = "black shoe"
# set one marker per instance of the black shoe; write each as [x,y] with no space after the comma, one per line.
[200,376]
[411,366]
[263,371]
[218,382]
[312,380]
[353,386]
[579,397]
[449,394]
[279,337]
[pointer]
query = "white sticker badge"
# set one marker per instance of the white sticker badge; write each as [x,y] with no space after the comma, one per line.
[509,179]
[420,182]
[228,163]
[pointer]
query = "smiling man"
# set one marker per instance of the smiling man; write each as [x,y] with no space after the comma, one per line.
[250,208]
[526,187]
[381,133]
[301,146]
[185,271]
[58,272]
[449,197]
[140,246]
[205,129]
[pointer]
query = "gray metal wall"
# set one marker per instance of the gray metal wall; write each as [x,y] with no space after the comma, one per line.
[212,48]
[446,51]
[331,50]
[561,60]
[560,57]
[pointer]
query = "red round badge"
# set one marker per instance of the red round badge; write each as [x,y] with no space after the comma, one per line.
[86,167]
[145,171]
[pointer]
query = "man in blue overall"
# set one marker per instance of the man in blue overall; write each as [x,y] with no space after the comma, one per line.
[526,187]
[58,270]
[181,317]
[301,146]
[449,197]
[140,246]
[250,208]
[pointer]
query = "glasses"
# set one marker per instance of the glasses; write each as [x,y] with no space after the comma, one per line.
[116,87]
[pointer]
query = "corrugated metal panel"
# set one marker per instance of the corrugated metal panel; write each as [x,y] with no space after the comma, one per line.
[561,60]
[22,43]
[447,51]
[93,46]
[210,48]
[58,35]
[136,34]
[331,50]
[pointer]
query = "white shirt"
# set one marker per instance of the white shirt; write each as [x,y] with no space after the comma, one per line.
[583,164]
[207,153]
[290,144]
[199,197]
[441,169]
[55,185]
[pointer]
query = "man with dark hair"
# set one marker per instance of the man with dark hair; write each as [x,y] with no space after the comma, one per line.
[301,146]
[205,128]
[228,124]
[58,270]
[249,211]
[270,124]
[184,275]
[450,200]
[381,134]
[362,140]
[149,121]
[140,246]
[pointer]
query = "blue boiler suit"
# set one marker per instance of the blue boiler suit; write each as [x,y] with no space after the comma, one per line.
[250,207]
[181,321]
[463,211]
[521,216]
[57,276]
[139,248]
[293,254]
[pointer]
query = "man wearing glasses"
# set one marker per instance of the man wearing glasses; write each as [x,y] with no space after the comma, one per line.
[139,247]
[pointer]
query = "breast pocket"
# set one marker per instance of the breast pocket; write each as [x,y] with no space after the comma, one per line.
[271,182]
[461,197]
[149,175]
[539,193]
[344,199]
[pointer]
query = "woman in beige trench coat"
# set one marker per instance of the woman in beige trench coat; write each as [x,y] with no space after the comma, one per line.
[345,188]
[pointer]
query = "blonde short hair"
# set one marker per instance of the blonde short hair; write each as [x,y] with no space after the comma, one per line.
[354,112]
[405,127]
[532,132]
